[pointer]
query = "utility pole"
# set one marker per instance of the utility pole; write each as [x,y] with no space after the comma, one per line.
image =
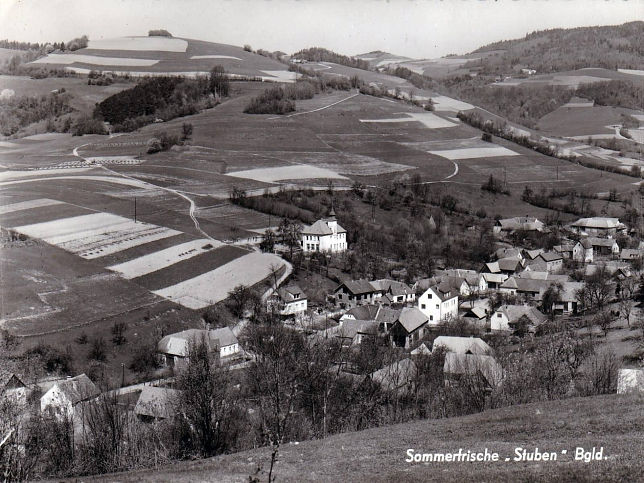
[135,209]
[557,172]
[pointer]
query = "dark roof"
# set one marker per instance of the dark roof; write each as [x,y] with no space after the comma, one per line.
[9,378]
[601,242]
[350,328]
[157,402]
[357,287]
[291,292]
[77,389]
[550,256]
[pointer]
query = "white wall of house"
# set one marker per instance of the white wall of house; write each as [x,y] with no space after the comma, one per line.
[430,304]
[228,350]
[294,307]
[57,401]
[499,321]
[333,243]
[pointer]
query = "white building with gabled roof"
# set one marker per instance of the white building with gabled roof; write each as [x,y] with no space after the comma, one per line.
[439,303]
[324,235]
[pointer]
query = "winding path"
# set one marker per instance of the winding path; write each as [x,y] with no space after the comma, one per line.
[316,110]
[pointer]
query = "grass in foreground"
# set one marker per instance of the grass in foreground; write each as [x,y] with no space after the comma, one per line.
[614,422]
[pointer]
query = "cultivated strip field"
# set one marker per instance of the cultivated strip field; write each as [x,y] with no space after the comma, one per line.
[65,59]
[162,44]
[428,120]
[194,57]
[213,287]
[27,205]
[163,258]
[300,171]
[444,103]
[95,235]
[472,153]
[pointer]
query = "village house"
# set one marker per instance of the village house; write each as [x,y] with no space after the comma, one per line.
[324,235]
[485,367]
[508,266]
[409,327]
[529,288]
[393,292]
[421,350]
[477,316]
[530,255]
[398,376]
[12,387]
[494,280]
[508,318]
[547,261]
[157,403]
[353,331]
[461,345]
[466,282]
[63,396]
[578,251]
[175,348]
[289,300]
[439,303]
[603,246]
[356,292]
[630,254]
[385,316]
[524,223]
[567,302]
[598,226]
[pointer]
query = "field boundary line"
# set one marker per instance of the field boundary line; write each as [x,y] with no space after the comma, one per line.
[315,110]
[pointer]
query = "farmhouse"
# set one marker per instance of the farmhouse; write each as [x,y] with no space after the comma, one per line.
[397,376]
[567,302]
[421,350]
[175,348]
[352,331]
[603,246]
[509,253]
[393,292]
[466,282]
[290,300]
[324,235]
[630,254]
[385,316]
[530,255]
[547,261]
[439,303]
[409,327]
[494,280]
[577,251]
[511,317]
[62,398]
[356,292]
[12,387]
[485,367]
[156,403]
[528,287]
[598,226]
[461,345]
[508,266]
[524,223]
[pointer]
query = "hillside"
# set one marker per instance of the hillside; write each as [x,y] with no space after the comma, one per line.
[610,47]
[379,454]
[162,55]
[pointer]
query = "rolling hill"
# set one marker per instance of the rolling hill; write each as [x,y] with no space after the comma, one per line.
[140,56]
[379,454]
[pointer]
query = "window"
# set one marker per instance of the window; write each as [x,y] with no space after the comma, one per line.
[429,295]
[422,306]
[431,317]
[436,305]
[499,315]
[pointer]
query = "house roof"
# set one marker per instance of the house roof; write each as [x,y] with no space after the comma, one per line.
[178,344]
[357,287]
[470,276]
[569,291]
[521,223]
[351,327]
[396,375]
[495,277]
[157,402]
[586,244]
[630,253]
[392,286]
[477,312]
[424,283]
[565,248]
[508,252]
[321,227]
[443,291]
[515,312]
[421,349]
[7,377]
[291,292]
[411,318]
[364,312]
[472,364]
[550,256]
[526,284]
[532,254]
[600,222]
[542,275]
[509,264]
[77,389]
[462,345]
[601,242]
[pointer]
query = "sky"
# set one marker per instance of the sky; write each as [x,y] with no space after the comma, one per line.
[414,28]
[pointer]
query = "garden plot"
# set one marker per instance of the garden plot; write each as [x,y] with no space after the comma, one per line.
[95,235]
[631,71]
[28,205]
[9,175]
[472,153]
[163,258]
[214,286]
[429,120]
[66,59]
[195,57]
[161,44]
[444,103]
[298,171]
[279,75]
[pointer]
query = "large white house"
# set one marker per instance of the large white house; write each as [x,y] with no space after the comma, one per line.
[439,303]
[324,235]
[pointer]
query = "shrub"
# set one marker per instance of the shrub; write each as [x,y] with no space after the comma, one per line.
[98,351]
[159,33]
[53,360]
[87,125]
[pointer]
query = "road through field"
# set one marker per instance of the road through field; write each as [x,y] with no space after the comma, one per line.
[315,110]
[191,211]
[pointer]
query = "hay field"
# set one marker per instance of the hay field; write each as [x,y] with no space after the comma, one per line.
[66,59]
[27,205]
[158,260]
[444,103]
[427,119]
[293,172]
[473,153]
[162,44]
[212,287]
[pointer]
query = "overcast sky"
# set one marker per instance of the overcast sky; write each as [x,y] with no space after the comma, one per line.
[415,28]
